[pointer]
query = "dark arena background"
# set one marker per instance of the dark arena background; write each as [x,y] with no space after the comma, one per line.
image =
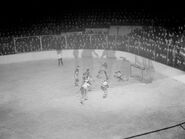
[45,56]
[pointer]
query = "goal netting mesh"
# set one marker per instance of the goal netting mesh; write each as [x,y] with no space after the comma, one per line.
[142,69]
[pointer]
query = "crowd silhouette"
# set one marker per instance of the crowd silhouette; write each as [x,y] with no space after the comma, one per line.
[153,40]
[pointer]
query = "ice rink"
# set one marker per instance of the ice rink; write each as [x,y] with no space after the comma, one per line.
[38,100]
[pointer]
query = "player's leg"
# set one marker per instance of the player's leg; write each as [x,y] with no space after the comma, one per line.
[61,60]
[85,95]
[58,62]
[120,78]
[82,95]
[76,82]
[105,93]
[98,75]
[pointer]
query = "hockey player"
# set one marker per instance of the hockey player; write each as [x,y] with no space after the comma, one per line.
[87,73]
[83,90]
[60,61]
[102,75]
[88,78]
[104,66]
[83,77]
[104,88]
[120,76]
[102,71]
[76,75]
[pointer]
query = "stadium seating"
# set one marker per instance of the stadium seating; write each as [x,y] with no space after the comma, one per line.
[153,42]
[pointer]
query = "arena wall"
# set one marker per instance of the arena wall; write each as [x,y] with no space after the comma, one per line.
[44,55]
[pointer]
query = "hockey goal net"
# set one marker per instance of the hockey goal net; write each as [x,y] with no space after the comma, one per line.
[142,69]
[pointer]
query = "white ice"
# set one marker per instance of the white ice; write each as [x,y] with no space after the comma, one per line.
[38,100]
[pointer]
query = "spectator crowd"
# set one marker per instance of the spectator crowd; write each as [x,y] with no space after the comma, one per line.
[153,40]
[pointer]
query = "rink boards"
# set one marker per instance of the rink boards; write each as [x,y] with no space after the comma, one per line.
[35,56]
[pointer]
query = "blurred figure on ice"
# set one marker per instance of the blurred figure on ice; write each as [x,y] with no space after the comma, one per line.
[110,59]
[59,54]
[83,90]
[87,77]
[121,77]
[87,59]
[125,68]
[104,87]
[76,57]
[102,73]
[103,67]
[87,73]
[76,76]
[118,75]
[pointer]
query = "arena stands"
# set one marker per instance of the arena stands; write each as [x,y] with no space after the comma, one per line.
[27,44]
[153,40]
[6,46]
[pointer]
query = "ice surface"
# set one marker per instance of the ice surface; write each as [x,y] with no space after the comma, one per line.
[38,100]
